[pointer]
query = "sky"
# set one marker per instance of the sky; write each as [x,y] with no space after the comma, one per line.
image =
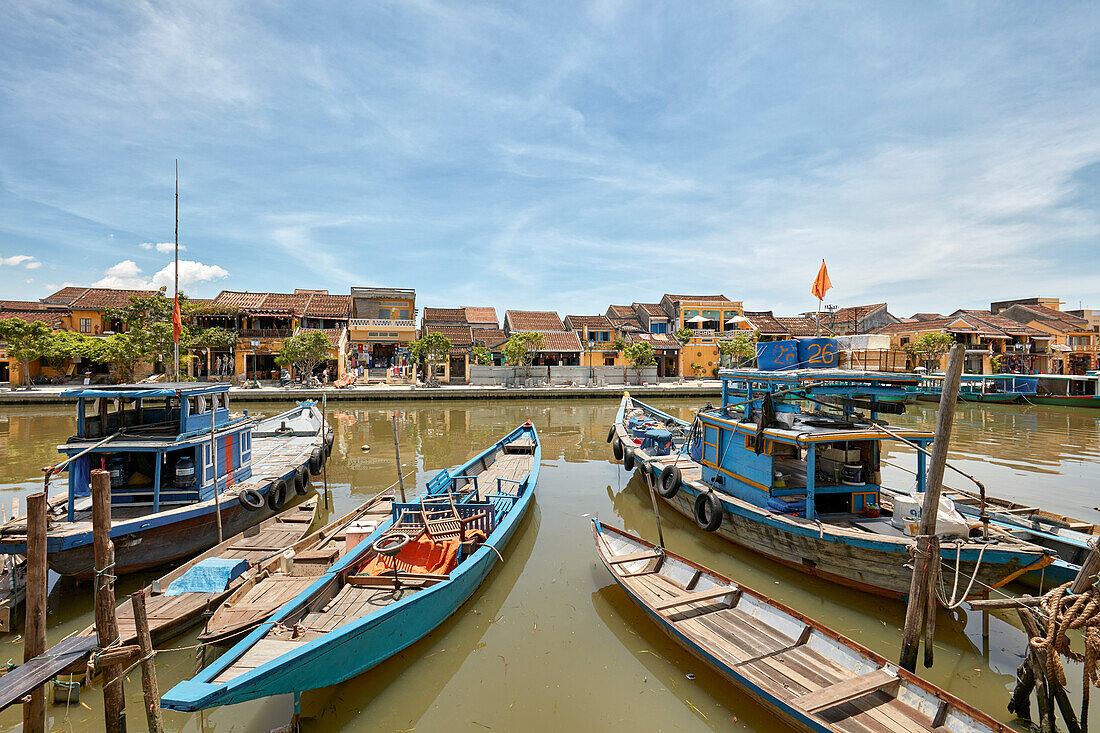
[558,156]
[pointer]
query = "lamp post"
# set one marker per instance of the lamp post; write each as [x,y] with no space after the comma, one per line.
[255,365]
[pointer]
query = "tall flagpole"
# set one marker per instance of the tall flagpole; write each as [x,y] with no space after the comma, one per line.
[176,349]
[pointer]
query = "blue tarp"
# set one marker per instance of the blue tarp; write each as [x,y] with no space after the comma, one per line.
[787,507]
[657,442]
[211,575]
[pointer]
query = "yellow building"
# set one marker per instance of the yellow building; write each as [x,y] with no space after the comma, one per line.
[597,335]
[381,326]
[1075,342]
[708,317]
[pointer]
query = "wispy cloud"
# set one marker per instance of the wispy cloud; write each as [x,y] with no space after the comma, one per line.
[126,274]
[162,247]
[25,261]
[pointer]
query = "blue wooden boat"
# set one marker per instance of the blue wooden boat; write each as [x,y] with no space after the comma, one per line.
[364,609]
[810,676]
[155,441]
[804,488]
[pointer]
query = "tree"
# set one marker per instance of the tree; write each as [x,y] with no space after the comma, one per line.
[27,341]
[683,335]
[305,350]
[930,346]
[432,348]
[148,321]
[620,344]
[521,348]
[213,338]
[482,355]
[124,350]
[640,355]
[739,349]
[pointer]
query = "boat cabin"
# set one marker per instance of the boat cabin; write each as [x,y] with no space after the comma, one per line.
[155,441]
[815,455]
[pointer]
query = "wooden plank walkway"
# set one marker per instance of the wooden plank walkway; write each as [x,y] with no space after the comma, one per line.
[38,671]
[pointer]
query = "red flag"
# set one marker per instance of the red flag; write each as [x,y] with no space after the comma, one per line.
[822,283]
[177,321]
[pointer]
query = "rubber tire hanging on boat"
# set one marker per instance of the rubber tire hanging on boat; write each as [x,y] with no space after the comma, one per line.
[707,500]
[276,498]
[610,433]
[669,482]
[301,481]
[617,448]
[329,441]
[251,500]
[628,459]
[316,461]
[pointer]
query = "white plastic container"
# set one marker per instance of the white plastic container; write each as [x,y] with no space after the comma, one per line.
[907,514]
[906,511]
[286,561]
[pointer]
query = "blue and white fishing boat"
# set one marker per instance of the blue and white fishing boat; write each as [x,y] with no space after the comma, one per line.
[786,467]
[390,590]
[167,488]
[805,673]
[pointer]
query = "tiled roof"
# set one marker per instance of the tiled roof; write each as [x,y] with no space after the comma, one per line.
[27,305]
[659,341]
[477,315]
[322,305]
[275,304]
[765,323]
[284,303]
[65,295]
[934,324]
[622,311]
[102,298]
[490,338]
[444,315]
[457,335]
[1043,313]
[334,334]
[679,298]
[559,342]
[628,325]
[926,316]
[542,321]
[598,323]
[51,318]
[799,326]
[997,324]
[237,299]
[853,313]
[653,309]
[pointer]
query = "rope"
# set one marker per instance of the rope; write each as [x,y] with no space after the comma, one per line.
[1064,612]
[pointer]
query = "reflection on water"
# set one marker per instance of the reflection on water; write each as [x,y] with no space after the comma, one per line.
[550,642]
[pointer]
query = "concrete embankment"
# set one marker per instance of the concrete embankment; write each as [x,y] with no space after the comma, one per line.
[700,389]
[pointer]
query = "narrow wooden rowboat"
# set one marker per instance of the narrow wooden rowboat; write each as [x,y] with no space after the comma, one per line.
[263,593]
[811,676]
[171,615]
[362,611]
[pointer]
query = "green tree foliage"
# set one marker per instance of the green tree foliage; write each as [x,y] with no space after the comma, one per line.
[213,338]
[147,320]
[305,350]
[482,355]
[930,346]
[683,335]
[640,355]
[521,348]
[73,345]
[124,350]
[431,348]
[738,349]
[26,341]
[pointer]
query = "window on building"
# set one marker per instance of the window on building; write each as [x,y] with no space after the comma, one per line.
[404,314]
[609,361]
[85,325]
[384,314]
[658,327]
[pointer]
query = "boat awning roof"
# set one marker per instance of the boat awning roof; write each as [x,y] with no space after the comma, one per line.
[819,376]
[142,391]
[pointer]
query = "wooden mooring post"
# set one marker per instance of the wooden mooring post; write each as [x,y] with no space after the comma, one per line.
[106,624]
[397,453]
[927,558]
[34,711]
[148,669]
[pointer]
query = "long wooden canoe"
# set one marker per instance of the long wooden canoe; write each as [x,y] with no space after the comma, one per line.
[263,593]
[359,614]
[809,675]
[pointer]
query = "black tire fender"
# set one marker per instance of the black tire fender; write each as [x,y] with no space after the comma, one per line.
[316,461]
[610,433]
[617,448]
[301,481]
[704,502]
[276,498]
[669,482]
[251,500]
[628,459]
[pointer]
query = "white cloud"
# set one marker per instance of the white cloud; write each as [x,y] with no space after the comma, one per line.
[162,247]
[128,275]
[15,260]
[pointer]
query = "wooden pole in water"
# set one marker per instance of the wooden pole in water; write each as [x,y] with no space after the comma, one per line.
[653,497]
[324,444]
[1089,568]
[148,670]
[926,560]
[34,711]
[397,452]
[106,625]
[214,467]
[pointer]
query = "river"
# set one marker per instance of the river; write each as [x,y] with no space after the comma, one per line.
[550,643]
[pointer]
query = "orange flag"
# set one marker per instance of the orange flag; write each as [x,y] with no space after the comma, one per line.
[822,283]
[177,321]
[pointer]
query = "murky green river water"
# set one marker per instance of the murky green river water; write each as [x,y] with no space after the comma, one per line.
[550,643]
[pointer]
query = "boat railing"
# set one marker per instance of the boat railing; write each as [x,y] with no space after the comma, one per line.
[467,476]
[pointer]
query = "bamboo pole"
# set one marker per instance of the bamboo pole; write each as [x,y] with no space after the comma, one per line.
[214,468]
[106,624]
[148,670]
[397,452]
[927,559]
[653,498]
[324,447]
[34,711]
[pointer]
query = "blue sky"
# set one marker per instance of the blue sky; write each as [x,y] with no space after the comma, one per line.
[557,155]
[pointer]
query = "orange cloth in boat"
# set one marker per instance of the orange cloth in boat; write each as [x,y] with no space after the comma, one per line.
[419,556]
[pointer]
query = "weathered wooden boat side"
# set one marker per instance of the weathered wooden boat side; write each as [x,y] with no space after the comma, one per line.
[843,552]
[154,523]
[807,674]
[262,594]
[345,623]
